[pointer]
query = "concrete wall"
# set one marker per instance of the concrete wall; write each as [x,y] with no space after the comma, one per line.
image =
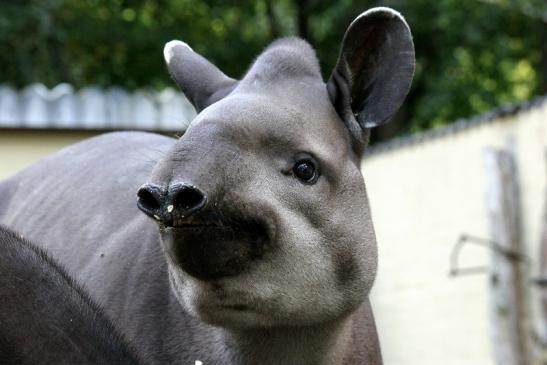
[425,195]
[20,148]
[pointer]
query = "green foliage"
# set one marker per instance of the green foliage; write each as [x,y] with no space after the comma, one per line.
[472,55]
[120,42]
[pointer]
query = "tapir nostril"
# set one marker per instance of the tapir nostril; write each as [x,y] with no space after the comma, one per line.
[188,199]
[149,199]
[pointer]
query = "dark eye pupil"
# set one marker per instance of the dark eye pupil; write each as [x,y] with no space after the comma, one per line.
[304,170]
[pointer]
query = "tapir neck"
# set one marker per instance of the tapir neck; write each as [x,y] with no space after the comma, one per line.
[323,344]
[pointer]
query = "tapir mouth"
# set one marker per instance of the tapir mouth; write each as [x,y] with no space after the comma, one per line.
[210,249]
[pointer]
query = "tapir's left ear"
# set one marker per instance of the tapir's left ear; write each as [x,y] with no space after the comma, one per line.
[374,70]
[200,81]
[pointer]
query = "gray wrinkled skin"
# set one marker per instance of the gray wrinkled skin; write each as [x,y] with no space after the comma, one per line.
[301,297]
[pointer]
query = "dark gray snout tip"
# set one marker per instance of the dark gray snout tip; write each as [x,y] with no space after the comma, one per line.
[169,205]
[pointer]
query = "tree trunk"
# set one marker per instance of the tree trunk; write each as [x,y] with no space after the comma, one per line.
[543,60]
[302,14]
[543,284]
[272,20]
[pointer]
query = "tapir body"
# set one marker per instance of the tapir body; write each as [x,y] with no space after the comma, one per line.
[46,318]
[257,245]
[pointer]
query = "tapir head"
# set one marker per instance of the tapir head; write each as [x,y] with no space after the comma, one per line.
[261,205]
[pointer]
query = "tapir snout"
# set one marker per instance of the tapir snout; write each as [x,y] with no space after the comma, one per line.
[215,218]
[172,204]
[208,242]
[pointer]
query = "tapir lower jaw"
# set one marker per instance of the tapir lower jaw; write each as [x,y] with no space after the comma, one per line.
[210,251]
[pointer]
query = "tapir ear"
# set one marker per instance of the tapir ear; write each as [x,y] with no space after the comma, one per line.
[374,69]
[201,81]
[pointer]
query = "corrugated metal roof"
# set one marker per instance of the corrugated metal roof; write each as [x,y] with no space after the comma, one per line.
[456,126]
[62,107]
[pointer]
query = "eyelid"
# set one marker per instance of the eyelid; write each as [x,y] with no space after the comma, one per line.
[306,156]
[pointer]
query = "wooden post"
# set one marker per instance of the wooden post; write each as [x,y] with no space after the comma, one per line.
[507,291]
[543,285]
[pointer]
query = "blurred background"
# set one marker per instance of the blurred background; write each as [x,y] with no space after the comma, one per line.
[472,55]
[476,113]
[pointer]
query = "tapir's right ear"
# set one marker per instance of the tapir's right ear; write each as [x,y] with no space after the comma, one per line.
[374,70]
[201,81]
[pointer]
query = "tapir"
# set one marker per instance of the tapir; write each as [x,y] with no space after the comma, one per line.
[256,245]
[46,317]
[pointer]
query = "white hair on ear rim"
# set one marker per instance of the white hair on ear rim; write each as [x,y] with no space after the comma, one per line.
[381,9]
[169,49]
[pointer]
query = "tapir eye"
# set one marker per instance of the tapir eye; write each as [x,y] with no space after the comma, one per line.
[306,171]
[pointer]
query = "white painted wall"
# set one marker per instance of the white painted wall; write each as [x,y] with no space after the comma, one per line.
[20,148]
[423,197]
